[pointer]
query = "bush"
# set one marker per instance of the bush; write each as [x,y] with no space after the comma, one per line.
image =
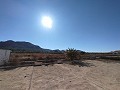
[71,54]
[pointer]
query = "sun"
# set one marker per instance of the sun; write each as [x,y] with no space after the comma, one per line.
[47,21]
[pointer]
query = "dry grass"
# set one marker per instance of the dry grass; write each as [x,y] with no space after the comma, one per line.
[34,56]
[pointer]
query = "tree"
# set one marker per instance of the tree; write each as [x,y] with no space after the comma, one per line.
[71,53]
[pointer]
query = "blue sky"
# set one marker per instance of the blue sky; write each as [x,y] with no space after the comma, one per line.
[88,25]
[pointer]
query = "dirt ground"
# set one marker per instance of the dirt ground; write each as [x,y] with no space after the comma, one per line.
[97,76]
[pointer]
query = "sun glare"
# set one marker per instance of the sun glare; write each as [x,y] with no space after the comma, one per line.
[47,22]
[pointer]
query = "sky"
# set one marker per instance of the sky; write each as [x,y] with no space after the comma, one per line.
[88,25]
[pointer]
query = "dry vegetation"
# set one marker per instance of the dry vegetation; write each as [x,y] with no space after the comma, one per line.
[22,56]
[97,75]
[18,58]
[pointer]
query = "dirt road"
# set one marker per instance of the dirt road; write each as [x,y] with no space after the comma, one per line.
[98,76]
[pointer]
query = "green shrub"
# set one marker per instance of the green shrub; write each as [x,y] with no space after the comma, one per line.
[71,54]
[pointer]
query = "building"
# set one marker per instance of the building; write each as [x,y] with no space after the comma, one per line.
[4,56]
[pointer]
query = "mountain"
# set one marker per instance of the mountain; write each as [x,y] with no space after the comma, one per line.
[17,46]
[116,52]
[22,46]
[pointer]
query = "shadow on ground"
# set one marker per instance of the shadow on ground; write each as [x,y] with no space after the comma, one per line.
[47,63]
[81,63]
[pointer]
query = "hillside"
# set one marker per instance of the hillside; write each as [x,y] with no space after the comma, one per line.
[117,51]
[22,46]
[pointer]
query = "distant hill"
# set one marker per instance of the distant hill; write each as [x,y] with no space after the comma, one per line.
[19,46]
[116,52]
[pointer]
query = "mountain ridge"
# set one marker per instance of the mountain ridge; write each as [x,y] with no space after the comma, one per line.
[23,46]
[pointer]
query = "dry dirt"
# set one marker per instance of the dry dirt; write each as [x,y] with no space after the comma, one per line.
[99,76]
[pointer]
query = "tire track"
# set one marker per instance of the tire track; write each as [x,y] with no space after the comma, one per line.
[31,77]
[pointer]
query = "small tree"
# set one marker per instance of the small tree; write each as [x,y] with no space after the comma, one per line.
[71,53]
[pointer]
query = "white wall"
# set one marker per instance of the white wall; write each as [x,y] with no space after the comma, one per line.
[4,56]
